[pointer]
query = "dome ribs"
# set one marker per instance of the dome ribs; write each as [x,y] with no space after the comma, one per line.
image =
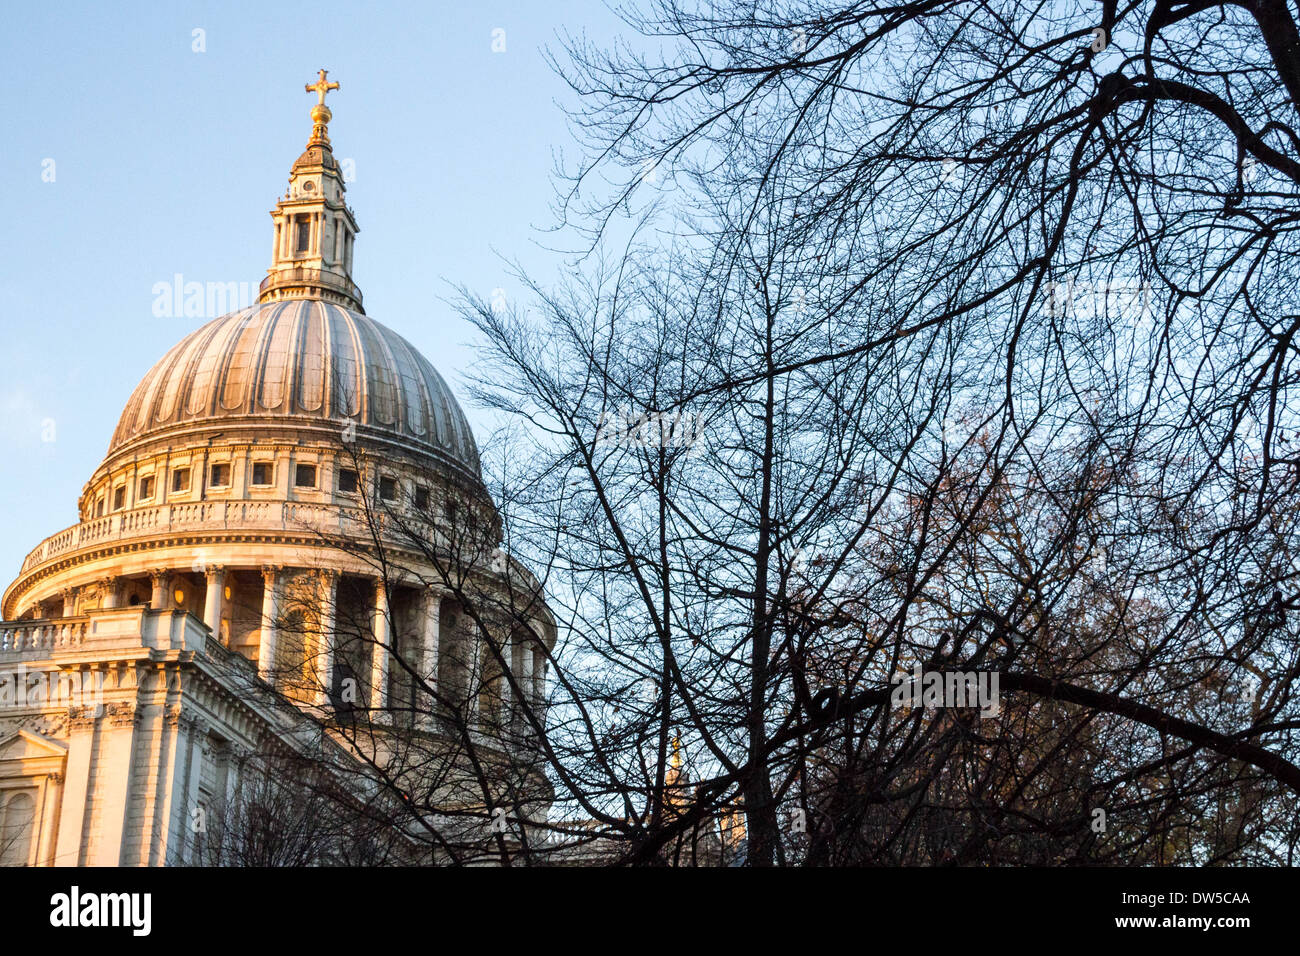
[350,381]
[383,379]
[298,361]
[258,363]
[272,369]
[310,366]
[416,395]
[238,363]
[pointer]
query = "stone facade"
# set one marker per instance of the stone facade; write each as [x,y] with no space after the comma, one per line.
[255,474]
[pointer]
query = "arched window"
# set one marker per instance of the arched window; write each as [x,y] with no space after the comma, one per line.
[17,827]
[303,245]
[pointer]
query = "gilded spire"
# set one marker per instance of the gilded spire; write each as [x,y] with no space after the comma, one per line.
[320,113]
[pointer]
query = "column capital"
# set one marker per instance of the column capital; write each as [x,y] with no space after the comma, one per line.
[121,713]
[159,574]
[81,719]
[214,570]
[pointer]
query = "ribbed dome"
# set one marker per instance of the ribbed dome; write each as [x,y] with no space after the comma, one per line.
[287,362]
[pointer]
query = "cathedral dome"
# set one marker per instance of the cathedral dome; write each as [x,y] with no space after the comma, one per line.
[302,363]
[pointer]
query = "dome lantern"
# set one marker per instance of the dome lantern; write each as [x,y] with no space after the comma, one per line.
[314,228]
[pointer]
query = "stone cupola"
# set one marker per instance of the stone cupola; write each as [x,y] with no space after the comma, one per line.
[314,228]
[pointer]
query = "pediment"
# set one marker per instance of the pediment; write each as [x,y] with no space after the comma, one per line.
[29,745]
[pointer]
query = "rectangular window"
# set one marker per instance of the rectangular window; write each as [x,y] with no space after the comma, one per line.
[181,480]
[99,507]
[220,476]
[387,488]
[421,498]
[146,488]
[304,234]
[262,471]
[347,481]
[304,476]
[119,497]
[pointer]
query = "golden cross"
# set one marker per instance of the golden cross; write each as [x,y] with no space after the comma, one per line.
[320,87]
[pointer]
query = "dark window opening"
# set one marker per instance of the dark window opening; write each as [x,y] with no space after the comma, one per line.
[348,481]
[181,480]
[421,498]
[146,488]
[387,488]
[304,476]
[304,234]
[119,497]
[220,476]
[262,472]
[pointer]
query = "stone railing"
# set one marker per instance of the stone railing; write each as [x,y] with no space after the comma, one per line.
[199,516]
[17,636]
[139,625]
[302,275]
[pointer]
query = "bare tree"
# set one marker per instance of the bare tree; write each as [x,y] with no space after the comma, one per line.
[931,266]
[291,810]
[937,336]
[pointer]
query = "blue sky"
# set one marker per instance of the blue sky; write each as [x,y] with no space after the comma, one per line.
[167,160]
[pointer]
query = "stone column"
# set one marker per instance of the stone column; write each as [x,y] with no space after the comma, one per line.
[108,592]
[538,681]
[524,674]
[270,623]
[379,652]
[112,781]
[429,662]
[69,596]
[473,670]
[186,765]
[160,579]
[328,590]
[76,786]
[213,599]
[506,715]
[51,793]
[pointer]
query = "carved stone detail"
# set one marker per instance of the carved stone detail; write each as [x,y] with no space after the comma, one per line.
[81,718]
[121,713]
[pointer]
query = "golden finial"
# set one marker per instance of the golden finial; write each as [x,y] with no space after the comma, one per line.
[320,113]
